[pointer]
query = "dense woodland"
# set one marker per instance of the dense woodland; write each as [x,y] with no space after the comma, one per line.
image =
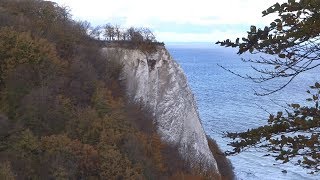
[63,112]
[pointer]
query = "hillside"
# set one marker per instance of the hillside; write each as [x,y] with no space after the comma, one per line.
[64,114]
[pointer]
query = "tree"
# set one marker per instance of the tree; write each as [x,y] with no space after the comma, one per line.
[26,62]
[69,158]
[134,34]
[124,36]
[117,32]
[109,32]
[21,48]
[148,35]
[95,32]
[290,136]
[293,41]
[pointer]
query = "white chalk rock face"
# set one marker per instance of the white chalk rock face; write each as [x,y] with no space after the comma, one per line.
[159,83]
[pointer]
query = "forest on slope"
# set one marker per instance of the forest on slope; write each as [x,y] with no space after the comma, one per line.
[63,111]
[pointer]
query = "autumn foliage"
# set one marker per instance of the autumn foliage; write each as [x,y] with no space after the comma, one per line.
[63,112]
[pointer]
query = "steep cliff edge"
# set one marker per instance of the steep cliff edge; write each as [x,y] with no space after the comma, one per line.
[157,82]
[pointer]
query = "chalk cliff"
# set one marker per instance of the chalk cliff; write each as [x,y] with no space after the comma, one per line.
[159,83]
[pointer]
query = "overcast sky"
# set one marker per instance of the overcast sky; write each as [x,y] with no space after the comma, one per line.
[176,20]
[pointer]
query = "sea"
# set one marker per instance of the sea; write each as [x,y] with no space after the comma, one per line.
[227,103]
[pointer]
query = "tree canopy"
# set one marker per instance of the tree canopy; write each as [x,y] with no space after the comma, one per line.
[292,40]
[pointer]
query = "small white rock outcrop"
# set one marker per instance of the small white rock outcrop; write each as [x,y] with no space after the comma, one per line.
[159,83]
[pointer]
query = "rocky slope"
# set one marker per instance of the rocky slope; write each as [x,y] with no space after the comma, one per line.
[157,82]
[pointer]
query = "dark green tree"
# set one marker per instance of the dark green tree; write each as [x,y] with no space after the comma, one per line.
[291,45]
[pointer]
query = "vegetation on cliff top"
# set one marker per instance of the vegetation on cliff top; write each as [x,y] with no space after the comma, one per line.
[131,38]
[63,112]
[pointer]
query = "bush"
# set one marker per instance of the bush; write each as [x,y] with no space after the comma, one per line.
[224,165]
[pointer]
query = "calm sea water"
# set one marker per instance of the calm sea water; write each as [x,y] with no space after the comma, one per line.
[227,103]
